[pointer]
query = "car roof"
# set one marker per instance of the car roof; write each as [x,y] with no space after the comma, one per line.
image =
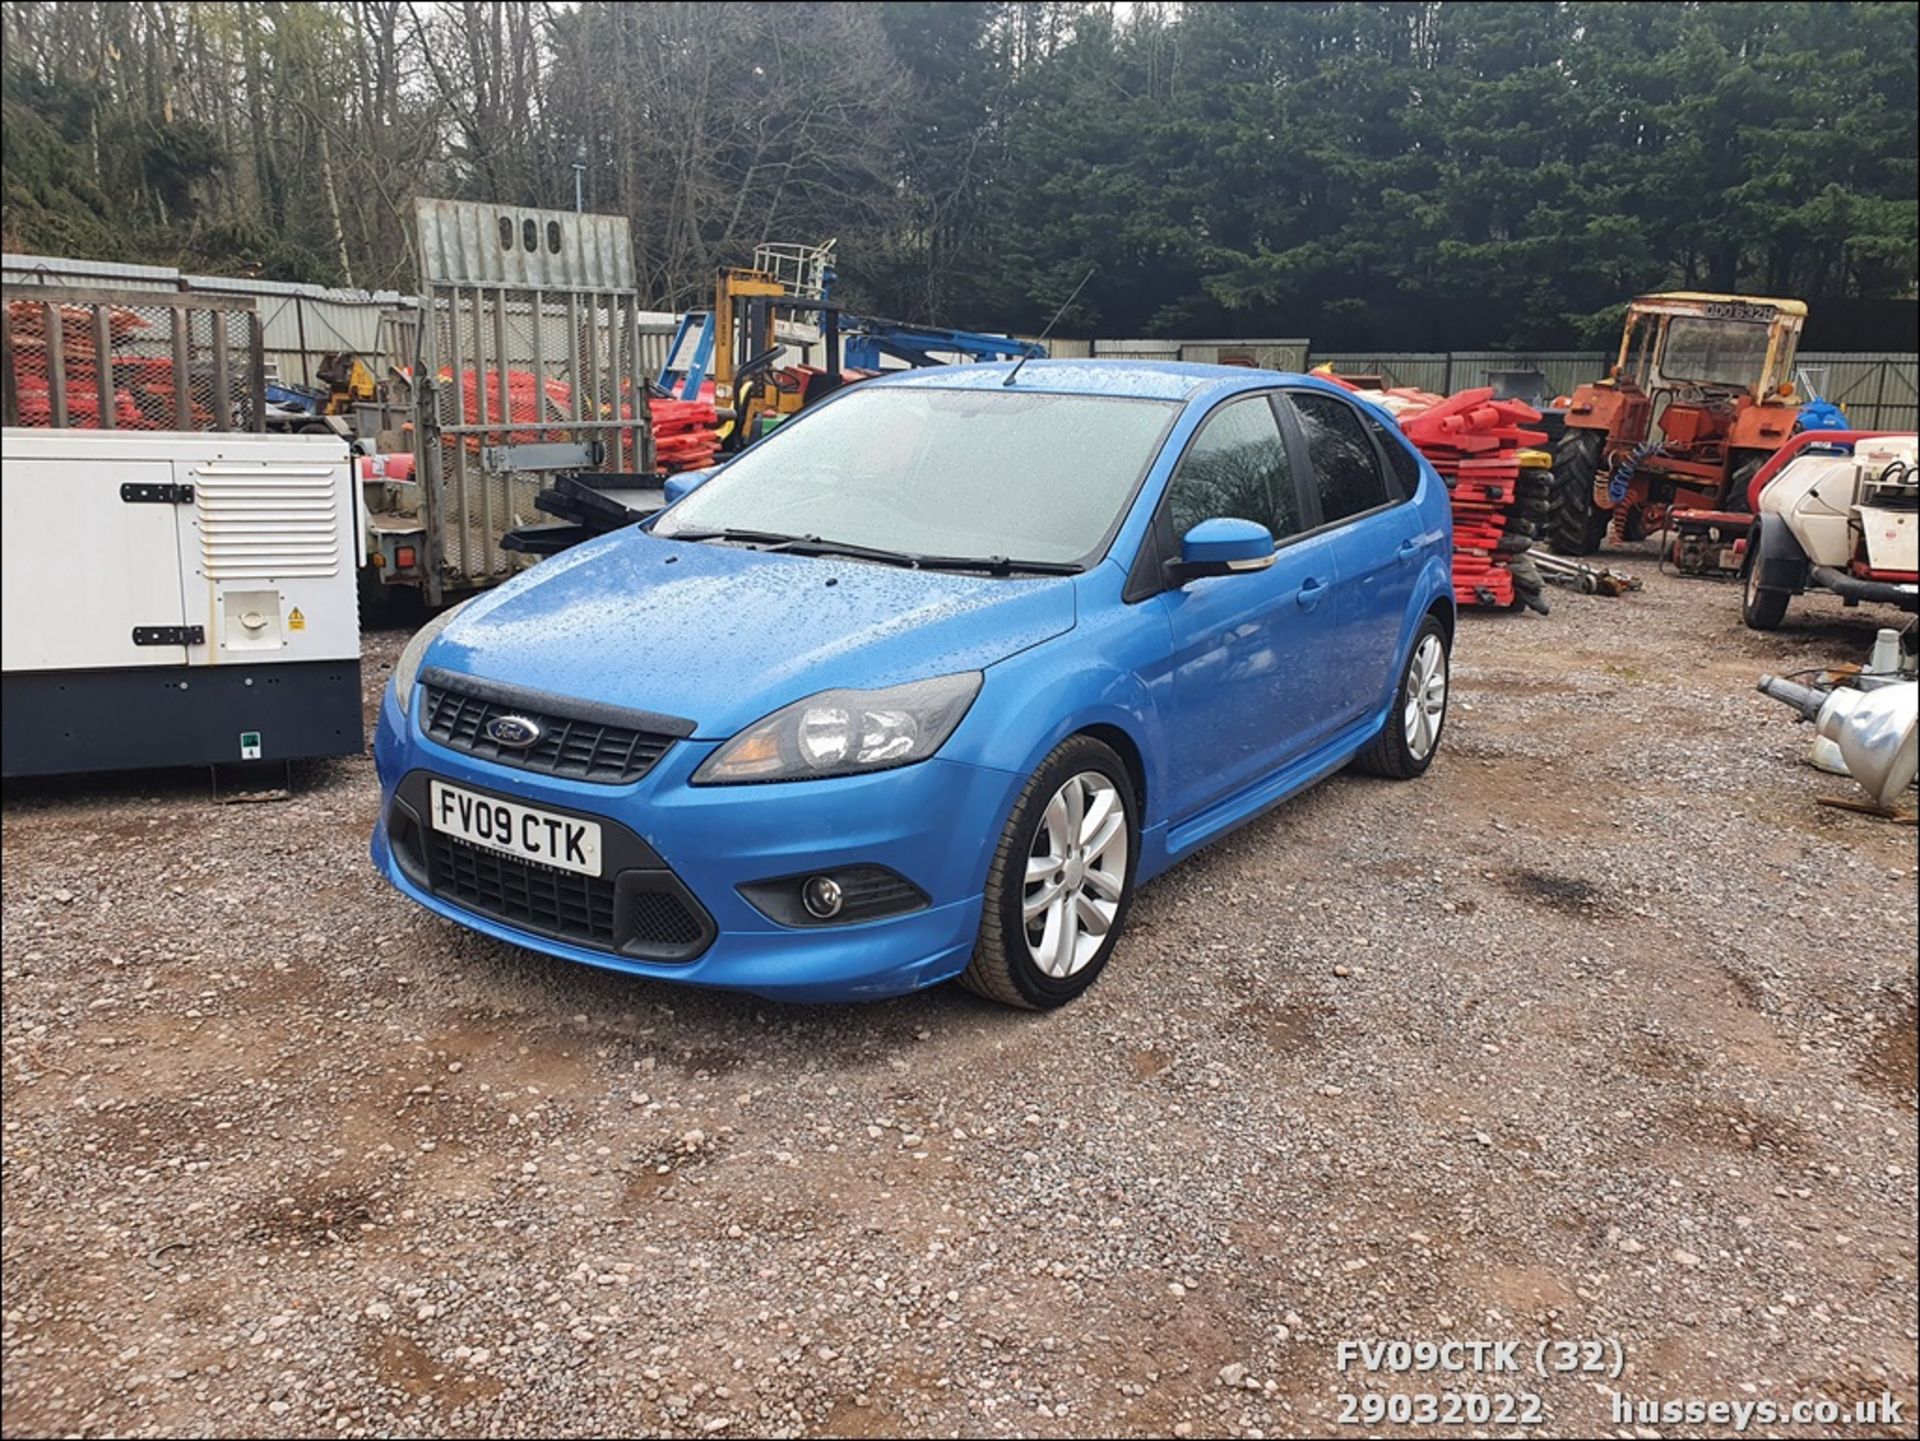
[1143,379]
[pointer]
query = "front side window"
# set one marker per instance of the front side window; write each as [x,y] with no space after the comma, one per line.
[1345,468]
[1016,474]
[1236,467]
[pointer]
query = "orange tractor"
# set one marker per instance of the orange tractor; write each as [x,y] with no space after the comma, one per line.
[1701,395]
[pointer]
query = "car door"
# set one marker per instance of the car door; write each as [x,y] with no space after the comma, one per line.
[1375,534]
[1251,651]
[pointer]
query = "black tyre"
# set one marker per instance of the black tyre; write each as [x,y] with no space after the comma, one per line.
[1061,882]
[1408,740]
[1761,609]
[1745,467]
[1576,525]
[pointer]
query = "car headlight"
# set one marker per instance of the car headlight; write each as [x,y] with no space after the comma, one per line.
[845,732]
[407,669]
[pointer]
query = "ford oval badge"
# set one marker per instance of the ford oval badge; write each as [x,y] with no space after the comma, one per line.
[515,732]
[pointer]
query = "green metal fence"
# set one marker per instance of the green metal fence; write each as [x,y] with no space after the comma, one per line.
[1878,391]
[1264,354]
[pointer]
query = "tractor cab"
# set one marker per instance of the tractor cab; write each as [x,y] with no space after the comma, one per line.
[1720,347]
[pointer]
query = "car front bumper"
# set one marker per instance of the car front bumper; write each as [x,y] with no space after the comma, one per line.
[935,824]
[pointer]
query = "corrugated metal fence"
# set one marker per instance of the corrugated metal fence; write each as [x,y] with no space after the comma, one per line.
[1877,391]
[1265,354]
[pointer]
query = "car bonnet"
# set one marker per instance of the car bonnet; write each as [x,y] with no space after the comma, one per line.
[721,635]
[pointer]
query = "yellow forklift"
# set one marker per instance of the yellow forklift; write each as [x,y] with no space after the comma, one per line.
[736,345]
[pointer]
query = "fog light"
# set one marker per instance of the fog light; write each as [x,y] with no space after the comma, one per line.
[821,896]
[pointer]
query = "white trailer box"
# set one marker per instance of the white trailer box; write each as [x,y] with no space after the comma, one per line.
[176,598]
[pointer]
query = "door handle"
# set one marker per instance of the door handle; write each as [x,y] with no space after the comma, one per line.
[1312,592]
[1409,548]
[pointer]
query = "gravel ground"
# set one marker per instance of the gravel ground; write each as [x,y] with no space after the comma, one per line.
[1604,1029]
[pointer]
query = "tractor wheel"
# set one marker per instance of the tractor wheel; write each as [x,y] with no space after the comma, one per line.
[1576,525]
[1745,467]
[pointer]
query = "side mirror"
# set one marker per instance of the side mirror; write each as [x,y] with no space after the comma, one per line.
[685,483]
[1222,546]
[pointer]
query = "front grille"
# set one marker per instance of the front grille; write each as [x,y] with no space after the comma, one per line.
[559,903]
[636,908]
[571,746]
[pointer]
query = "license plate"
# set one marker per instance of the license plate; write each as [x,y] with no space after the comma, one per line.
[515,830]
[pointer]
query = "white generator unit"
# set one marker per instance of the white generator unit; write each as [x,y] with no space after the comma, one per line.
[176,598]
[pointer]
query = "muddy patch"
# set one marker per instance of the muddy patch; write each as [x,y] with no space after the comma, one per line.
[1661,1058]
[319,1214]
[1288,1026]
[1891,1065]
[1147,1064]
[1750,991]
[405,1365]
[1568,895]
[1738,1129]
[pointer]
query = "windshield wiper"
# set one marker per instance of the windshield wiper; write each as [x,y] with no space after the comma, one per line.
[916,560]
[745,537]
[911,560]
[997,564]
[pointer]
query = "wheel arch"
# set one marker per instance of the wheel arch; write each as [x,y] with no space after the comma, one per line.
[1122,744]
[1774,555]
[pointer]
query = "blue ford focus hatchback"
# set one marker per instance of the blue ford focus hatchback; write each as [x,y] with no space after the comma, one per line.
[925,683]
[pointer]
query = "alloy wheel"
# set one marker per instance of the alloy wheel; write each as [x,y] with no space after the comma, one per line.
[1076,874]
[1426,696]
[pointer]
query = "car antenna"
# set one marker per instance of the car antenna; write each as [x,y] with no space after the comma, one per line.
[1050,324]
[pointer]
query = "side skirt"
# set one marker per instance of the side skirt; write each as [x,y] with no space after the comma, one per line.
[1222,816]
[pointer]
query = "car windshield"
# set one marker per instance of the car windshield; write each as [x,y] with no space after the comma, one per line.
[1002,474]
[1715,352]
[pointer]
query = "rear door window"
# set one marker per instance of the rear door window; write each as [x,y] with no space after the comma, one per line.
[1346,468]
[1402,463]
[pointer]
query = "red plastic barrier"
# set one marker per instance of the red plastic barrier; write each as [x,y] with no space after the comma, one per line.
[1473,441]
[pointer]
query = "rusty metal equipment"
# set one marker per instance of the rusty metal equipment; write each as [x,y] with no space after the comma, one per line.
[1587,579]
[1700,396]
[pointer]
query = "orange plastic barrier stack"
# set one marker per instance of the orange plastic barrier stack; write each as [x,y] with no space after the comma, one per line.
[685,434]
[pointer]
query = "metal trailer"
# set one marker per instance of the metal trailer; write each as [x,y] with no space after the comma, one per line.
[529,364]
[176,598]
